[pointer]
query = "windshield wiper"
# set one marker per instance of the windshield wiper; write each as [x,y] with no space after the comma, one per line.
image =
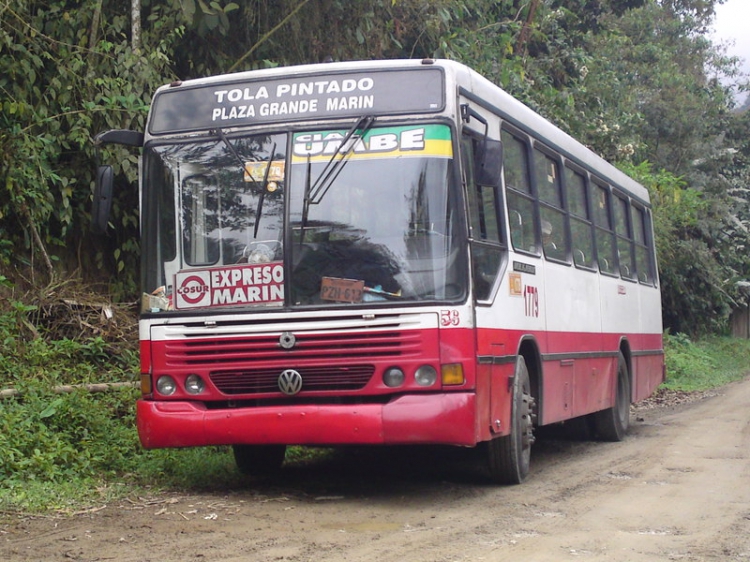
[314,193]
[259,210]
[333,167]
[305,202]
[223,138]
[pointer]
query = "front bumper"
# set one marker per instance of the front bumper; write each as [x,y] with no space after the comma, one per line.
[447,419]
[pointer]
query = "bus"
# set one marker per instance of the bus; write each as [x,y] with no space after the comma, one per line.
[382,253]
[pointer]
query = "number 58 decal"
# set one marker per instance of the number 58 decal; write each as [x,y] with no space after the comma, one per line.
[449,318]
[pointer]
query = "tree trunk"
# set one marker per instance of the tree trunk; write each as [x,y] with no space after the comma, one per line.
[523,37]
[135,23]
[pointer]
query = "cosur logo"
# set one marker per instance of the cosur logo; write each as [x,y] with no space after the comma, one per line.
[192,285]
[192,289]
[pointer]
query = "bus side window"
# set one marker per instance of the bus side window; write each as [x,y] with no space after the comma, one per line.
[625,253]
[521,212]
[554,230]
[159,224]
[516,225]
[605,241]
[642,255]
[580,220]
[486,240]
[518,193]
[482,202]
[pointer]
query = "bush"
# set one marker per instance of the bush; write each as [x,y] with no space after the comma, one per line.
[61,450]
[706,363]
[55,437]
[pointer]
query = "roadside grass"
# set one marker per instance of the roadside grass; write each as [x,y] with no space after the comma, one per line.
[705,363]
[63,454]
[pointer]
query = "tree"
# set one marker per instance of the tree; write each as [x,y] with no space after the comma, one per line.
[66,72]
[636,80]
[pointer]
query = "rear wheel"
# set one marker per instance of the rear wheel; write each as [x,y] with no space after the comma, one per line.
[612,424]
[509,457]
[259,460]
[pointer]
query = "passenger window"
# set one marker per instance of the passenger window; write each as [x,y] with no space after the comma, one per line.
[522,220]
[554,229]
[547,179]
[521,215]
[580,222]
[515,163]
[554,234]
[642,255]
[605,243]
[625,253]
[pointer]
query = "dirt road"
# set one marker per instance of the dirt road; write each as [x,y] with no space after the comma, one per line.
[678,488]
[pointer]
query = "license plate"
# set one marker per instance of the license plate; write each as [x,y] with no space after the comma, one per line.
[341,290]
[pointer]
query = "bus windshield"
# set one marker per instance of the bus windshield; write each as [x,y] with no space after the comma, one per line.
[317,218]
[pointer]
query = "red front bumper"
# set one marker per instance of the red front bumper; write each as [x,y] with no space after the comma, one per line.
[448,419]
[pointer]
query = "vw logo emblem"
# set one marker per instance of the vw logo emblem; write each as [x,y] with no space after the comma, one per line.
[287,340]
[290,382]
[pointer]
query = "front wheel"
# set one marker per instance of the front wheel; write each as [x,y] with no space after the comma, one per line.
[612,424]
[509,457]
[259,460]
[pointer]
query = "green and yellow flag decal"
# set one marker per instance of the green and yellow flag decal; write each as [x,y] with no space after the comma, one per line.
[422,141]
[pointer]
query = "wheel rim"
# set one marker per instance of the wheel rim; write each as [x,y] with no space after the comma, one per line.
[526,423]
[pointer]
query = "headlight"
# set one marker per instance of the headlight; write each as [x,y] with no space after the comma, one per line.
[194,384]
[393,377]
[426,375]
[166,385]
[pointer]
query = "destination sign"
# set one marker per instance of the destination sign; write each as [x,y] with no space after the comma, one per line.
[246,102]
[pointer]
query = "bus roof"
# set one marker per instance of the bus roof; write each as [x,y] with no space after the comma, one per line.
[403,87]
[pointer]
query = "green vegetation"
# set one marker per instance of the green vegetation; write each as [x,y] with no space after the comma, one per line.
[62,451]
[59,451]
[705,363]
[637,80]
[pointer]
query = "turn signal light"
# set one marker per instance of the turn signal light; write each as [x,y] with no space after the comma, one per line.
[146,384]
[452,373]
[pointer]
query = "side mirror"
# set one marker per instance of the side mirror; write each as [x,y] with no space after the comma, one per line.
[120,136]
[102,199]
[489,163]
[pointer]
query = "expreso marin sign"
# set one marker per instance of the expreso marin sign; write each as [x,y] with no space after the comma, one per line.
[230,286]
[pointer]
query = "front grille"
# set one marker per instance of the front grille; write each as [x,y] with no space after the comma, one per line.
[340,354]
[257,381]
[309,346]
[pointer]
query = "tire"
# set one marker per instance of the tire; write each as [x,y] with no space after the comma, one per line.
[612,424]
[259,460]
[509,457]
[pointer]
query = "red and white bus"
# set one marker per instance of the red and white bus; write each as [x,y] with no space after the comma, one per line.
[383,252]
